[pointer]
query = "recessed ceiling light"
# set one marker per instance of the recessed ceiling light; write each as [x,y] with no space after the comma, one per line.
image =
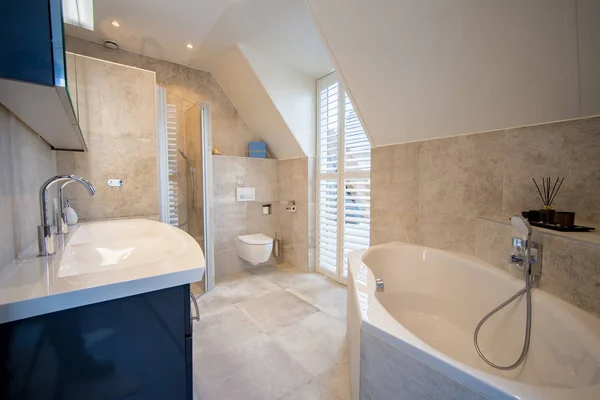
[116,24]
[189,46]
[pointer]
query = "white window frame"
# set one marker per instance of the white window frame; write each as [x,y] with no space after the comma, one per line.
[341,175]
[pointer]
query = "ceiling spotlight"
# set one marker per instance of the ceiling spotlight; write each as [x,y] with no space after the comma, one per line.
[189,46]
[116,24]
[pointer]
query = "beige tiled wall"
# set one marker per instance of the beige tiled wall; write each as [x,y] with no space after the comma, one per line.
[571,262]
[570,149]
[232,135]
[26,161]
[229,129]
[232,218]
[433,193]
[276,183]
[296,183]
[117,113]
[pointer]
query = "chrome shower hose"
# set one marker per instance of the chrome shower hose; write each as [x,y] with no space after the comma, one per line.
[530,282]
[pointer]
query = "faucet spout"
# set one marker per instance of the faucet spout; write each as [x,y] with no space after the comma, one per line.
[45,240]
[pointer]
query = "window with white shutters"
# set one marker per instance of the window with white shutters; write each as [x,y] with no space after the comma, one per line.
[344,157]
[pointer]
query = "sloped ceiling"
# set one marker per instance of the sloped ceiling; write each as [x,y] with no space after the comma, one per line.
[293,94]
[277,30]
[426,69]
[245,89]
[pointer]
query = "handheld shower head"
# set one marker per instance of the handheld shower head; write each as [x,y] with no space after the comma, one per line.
[182,154]
[185,158]
[522,226]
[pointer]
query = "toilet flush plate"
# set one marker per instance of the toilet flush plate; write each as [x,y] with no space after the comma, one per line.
[245,194]
[115,182]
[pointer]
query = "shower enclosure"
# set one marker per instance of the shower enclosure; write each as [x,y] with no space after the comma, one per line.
[184,167]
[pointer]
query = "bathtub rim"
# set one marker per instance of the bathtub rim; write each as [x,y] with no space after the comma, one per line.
[376,321]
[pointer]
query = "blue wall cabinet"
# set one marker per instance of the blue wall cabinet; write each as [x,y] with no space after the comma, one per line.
[33,81]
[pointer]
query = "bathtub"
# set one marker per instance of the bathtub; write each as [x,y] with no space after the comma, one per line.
[415,339]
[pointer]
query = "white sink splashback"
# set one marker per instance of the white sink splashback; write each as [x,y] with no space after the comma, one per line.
[106,245]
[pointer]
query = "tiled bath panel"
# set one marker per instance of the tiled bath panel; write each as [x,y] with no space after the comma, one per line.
[272,332]
[353,334]
[387,373]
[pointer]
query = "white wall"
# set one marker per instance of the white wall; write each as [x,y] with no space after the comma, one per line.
[246,91]
[293,94]
[425,69]
[588,12]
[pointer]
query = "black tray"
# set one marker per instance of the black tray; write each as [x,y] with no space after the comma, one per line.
[562,228]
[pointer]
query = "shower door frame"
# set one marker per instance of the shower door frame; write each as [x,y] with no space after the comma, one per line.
[163,177]
[209,254]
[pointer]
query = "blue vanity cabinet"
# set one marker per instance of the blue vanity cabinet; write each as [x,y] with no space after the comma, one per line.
[33,82]
[137,347]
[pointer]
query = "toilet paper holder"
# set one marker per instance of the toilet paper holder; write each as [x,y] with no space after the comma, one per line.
[291,206]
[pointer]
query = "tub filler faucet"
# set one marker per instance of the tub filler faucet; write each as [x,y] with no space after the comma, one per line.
[524,249]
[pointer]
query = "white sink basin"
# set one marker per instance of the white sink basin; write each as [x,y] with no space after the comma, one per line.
[108,245]
[100,261]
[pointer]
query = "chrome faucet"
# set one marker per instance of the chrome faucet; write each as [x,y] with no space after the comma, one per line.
[45,238]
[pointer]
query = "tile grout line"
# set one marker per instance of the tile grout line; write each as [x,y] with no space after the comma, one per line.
[279,287]
[276,344]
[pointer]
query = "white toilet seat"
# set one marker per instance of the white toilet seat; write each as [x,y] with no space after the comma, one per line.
[255,239]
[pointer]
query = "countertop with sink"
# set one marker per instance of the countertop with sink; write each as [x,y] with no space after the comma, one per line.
[97,262]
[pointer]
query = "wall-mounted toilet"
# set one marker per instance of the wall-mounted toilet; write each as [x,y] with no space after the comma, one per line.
[255,248]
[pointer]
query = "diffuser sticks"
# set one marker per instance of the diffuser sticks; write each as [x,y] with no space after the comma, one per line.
[548,191]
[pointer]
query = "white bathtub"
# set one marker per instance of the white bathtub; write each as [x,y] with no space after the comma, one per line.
[424,322]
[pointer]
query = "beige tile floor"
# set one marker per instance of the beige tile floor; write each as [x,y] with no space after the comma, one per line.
[272,333]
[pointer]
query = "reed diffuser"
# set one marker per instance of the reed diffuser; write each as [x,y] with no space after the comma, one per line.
[548,192]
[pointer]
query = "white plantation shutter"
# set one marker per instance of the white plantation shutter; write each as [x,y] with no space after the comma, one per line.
[328,226]
[357,215]
[358,148]
[329,127]
[344,156]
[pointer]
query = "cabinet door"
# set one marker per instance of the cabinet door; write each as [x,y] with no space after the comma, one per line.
[25,42]
[189,370]
[131,348]
[188,310]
